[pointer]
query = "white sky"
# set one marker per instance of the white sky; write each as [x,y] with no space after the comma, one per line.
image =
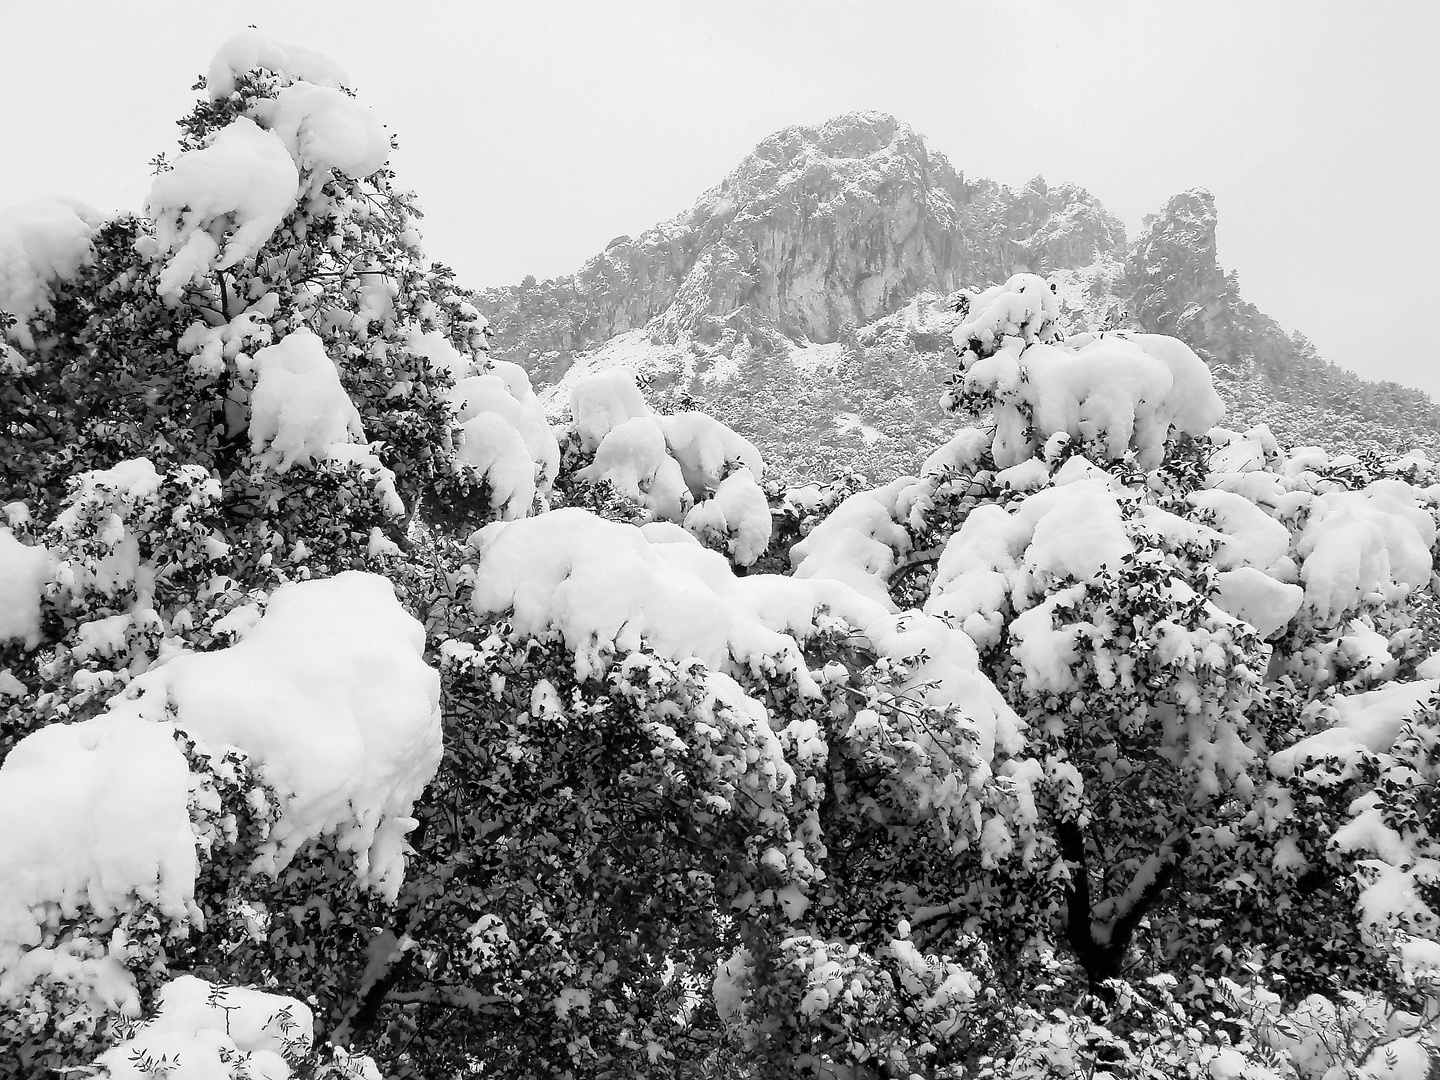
[535,132]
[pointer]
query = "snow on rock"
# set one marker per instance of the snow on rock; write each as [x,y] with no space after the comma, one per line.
[325,129]
[706,450]
[603,401]
[634,458]
[737,517]
[251,50]
[330,694]
[234,192]
[298,409]
[41,242]
[24,571]
[206,1031]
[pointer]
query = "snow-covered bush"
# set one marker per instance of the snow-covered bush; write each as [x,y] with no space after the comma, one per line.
[1104,744]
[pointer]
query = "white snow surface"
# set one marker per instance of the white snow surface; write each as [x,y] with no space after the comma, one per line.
[1362,723]
[243,1033]
[298,408]
[490,445]
[24,570]
[635,459]
[41,242]
[605,587]
[860,542]
[998,556]
[1258,599]
[236,191]
[1120,391]
[251,50]
[99,818]
[504,389]
[325,129]
[330,694]
[738,514]
[706,448]
[602,401]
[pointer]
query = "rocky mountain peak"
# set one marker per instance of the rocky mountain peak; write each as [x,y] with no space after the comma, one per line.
[820,229]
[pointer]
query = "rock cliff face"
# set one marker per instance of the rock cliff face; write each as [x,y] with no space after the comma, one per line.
[807,299]
[819,230]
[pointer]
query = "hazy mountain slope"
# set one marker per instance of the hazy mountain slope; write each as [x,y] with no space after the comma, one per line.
[808,299]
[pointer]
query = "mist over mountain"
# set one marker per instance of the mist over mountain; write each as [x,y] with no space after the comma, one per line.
[808,299]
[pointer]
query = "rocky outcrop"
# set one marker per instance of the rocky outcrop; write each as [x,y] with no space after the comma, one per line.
[818,230]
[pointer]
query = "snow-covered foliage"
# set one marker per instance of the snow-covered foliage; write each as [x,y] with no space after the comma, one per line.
[41,243]
[353,711]
[1112,393]
[687,468]
[325,709]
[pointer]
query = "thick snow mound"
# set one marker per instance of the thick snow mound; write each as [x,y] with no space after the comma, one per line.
[298,409]
[99,815]
[1355,544]
[325,129]
[24,570]
[1251,537]
[1060,533]
[251,50]
[504,390]
[737,518]
[1115,393]
[605,587]
[41,242]
[859,543]
[1024,307]
[1362,723]
[330,694]
[234,192]
[603,401]
[635,459]
[1258,599]
[707,450]
[209,1032]
[490,445]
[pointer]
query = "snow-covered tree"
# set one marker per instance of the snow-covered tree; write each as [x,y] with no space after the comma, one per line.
[360,720]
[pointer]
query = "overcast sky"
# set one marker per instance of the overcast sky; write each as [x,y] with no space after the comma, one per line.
[535,132]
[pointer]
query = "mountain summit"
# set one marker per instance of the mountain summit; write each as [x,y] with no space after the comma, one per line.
[808,296]
[818,230]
